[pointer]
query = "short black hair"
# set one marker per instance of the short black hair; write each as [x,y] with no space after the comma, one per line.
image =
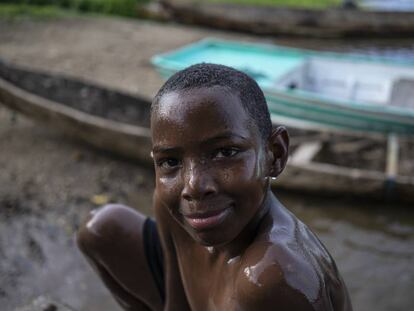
[211,75]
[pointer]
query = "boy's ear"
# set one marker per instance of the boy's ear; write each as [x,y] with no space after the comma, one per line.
[278,149]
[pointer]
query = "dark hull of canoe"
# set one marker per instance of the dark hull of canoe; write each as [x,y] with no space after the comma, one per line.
[119,123]
[328,179]
[264,20]
[98,124]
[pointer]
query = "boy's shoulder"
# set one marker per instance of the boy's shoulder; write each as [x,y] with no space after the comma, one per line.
[286,265]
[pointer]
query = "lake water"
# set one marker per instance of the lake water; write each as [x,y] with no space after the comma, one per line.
[389,5]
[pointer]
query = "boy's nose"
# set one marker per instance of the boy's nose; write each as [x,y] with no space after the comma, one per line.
[198,183]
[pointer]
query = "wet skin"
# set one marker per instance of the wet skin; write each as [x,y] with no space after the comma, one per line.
[227,241]
[236,247]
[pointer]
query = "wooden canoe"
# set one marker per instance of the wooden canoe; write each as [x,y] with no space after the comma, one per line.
[279,21]
[321,163]
[104,118]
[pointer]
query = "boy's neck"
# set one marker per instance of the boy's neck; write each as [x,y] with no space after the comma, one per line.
[245,238]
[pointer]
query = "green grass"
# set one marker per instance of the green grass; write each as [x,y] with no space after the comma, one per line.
[116,7]
[23,11]
[42,9]
[312,4]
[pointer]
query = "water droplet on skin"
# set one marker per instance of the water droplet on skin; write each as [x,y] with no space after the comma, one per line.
[233,260]
[210,249]
[91,226]
[253,273]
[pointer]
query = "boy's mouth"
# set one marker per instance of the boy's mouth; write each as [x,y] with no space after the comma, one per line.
[208,219]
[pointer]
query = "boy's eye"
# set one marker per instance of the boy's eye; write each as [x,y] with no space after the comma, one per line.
[168,163]
[226,152]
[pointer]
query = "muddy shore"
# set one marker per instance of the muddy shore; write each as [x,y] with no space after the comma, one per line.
[49,183]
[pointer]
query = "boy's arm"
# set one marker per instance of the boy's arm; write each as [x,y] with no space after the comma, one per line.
[280,281]
[339,295]
[175,298]
[269,291]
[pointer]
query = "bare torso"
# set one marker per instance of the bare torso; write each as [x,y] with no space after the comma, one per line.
[284,267]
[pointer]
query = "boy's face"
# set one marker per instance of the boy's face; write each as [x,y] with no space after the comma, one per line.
[210,162]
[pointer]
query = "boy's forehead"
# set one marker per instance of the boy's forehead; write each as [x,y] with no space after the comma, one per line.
[201,112]
[185,101]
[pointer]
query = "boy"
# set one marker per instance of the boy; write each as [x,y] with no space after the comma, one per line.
[222,240]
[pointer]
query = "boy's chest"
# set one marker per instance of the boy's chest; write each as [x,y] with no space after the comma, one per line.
[210,282]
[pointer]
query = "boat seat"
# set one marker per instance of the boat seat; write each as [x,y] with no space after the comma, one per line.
[370,90]
[328,85]
[402,94]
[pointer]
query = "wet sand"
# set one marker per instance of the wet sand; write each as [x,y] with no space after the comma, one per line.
[48,182]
